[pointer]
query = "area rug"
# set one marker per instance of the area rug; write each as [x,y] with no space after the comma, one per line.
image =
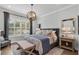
[55,51]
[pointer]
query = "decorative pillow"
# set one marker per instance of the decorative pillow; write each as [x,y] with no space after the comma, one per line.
[38,32]
[43,32]
[53,34]
[48,33]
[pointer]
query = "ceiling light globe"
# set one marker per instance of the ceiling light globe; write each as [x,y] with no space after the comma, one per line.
[31,15]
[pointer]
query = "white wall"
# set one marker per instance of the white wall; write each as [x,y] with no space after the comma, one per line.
[54,20]
[1,21]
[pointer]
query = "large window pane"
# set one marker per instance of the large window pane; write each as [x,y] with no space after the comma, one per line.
[18,25]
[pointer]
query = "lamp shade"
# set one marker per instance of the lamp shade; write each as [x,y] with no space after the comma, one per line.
[31,15]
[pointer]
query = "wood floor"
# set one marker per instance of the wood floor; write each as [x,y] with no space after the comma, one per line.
[67,52]
[8,51]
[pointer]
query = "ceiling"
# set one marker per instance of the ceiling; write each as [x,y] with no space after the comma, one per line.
[40,9]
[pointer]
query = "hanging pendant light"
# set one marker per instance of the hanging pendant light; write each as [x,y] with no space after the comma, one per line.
[31,15]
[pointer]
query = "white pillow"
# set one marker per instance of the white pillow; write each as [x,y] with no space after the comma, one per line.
[53,34]
[43,32]
[38,32]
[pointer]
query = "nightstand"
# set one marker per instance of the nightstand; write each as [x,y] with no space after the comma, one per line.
[67,43]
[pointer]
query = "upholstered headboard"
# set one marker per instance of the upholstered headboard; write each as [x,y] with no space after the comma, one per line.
[55,29]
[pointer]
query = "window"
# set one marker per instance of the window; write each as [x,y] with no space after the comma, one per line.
[18,25]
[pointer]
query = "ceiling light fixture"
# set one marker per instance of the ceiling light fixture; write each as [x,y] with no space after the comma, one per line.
[31,15]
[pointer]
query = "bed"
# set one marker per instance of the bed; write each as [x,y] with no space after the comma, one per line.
[44,42]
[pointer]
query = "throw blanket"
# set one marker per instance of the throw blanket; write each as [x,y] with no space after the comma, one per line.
[45,42]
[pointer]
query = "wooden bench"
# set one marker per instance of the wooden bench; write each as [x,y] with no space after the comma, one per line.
[25,46]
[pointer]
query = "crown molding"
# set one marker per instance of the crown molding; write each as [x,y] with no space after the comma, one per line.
[44,15]
[12,12]
[53,12]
